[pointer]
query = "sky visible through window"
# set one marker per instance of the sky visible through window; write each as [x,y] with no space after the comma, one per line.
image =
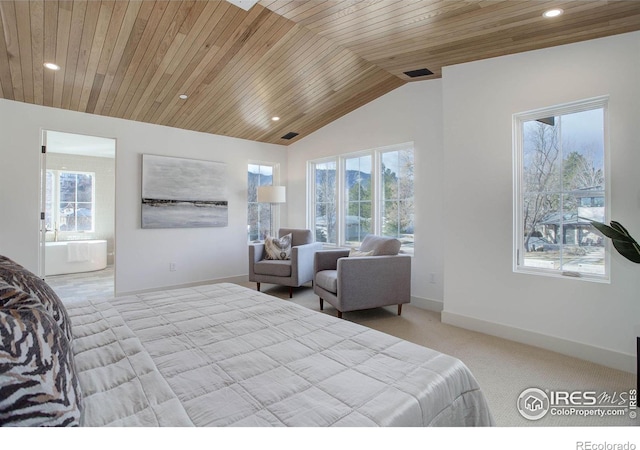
[562,187]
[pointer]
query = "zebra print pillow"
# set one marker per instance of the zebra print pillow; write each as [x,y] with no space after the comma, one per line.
[16,275]
[38,382]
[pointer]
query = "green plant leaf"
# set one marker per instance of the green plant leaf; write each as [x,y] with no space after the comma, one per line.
[618,227]
[610,232]
[631,251]
[621,239]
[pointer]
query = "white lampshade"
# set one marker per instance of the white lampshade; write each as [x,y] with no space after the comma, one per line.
[272,194]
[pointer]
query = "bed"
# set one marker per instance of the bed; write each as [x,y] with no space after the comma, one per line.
[225,355]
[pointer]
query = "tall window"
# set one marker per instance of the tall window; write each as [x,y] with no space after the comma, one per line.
[359,190]
[324,205]
[70,202]
[364,193]
[259,214]
[397,193]
[560,185]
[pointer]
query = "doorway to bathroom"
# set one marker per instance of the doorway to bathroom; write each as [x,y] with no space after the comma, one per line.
[77,234]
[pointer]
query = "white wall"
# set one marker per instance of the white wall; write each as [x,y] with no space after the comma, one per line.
[590,320]
[142,256]
[412,112]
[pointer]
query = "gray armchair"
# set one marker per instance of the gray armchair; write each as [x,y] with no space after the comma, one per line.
[292,272]
[363,282]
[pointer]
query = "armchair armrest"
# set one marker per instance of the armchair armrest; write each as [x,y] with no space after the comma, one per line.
[302,258]
[305,250]
[328,259]
[256,252]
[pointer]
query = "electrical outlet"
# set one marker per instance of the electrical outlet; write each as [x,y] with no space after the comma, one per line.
[432,278]
[172,267]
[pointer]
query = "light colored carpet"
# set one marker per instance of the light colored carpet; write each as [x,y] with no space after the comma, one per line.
[503,368]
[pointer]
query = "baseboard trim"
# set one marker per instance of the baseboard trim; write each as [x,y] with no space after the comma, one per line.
[598,355]
[427,303]
[235,279]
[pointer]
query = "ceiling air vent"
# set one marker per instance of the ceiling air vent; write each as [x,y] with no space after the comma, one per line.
[418,73]
[289,135]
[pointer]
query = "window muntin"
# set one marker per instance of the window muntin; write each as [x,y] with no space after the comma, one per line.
[70,202]
[374,191]
[561,182]
[258,214]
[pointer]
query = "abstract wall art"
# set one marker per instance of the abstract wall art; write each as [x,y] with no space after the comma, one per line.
[183,193]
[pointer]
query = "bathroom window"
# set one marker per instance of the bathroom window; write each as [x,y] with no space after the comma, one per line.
[70,203]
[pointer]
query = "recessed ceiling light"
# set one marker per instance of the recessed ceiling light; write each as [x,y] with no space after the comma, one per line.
[52,66]
[555,12]
[183,96]
[275,118]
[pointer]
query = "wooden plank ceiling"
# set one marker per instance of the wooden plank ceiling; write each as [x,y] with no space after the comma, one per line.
[308,62]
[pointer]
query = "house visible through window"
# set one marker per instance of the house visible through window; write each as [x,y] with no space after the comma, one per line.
[259,214]
[560,187]
[70,201]
[364,193]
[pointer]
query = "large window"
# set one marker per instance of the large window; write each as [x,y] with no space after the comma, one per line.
[259,214]
[70,201]
[358,195]
[324,204]
[364,193]
[560,185]
[397,194]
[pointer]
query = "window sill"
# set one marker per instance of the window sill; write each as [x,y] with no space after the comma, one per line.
[564,275]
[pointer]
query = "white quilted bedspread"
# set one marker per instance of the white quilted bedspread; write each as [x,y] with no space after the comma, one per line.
[225,355]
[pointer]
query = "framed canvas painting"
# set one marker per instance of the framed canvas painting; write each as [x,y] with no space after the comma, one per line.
[183,193]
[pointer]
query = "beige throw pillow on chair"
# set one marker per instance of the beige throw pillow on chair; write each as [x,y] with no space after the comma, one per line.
[278,248]
[355,252]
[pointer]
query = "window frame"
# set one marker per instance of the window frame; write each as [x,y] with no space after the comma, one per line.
[274,213]
[341,196]
[342,207]
[519,252]
[311,197]
[380,189]
[55,201]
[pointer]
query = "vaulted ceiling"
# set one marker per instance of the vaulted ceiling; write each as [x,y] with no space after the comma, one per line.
[307,62]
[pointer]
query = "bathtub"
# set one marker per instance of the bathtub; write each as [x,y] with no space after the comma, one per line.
[74,256]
